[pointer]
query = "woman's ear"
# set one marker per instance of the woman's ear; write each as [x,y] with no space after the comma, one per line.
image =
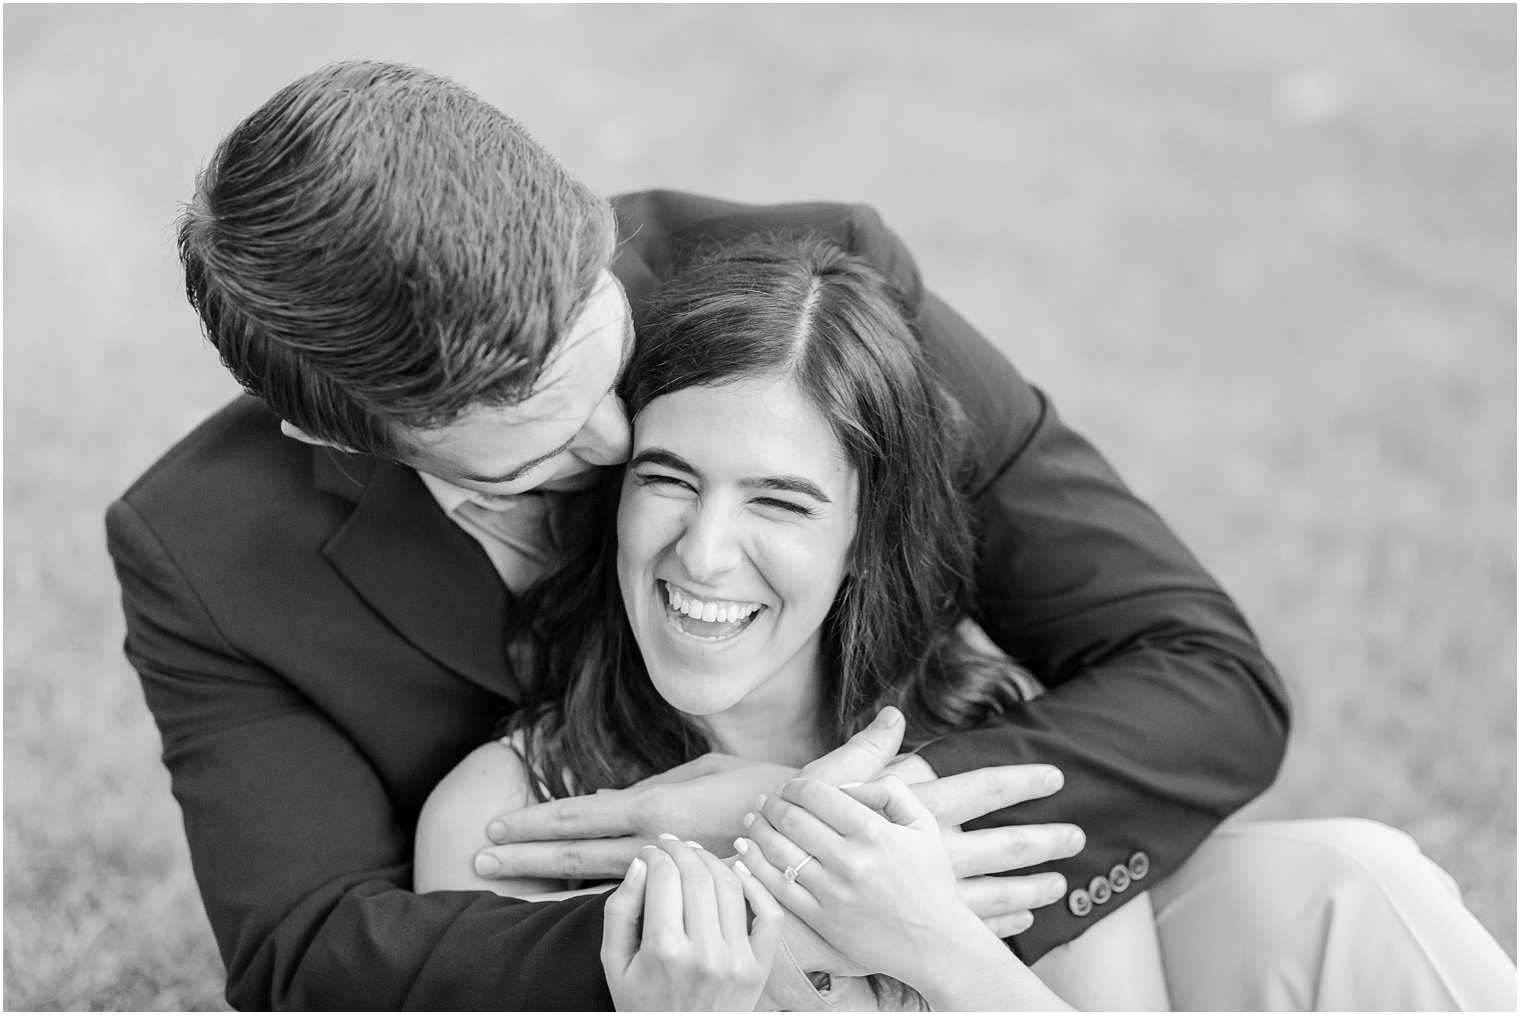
[291,430]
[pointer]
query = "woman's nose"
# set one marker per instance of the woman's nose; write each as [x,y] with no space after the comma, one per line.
[708,548]
[605,439]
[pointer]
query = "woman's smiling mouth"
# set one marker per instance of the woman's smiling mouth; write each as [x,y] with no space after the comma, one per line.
[707,619]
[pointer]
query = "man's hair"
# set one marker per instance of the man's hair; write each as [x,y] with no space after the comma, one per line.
[805,310]
[376,247]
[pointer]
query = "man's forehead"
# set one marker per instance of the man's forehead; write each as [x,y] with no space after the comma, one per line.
[604,320]
[602,334]
[584,366]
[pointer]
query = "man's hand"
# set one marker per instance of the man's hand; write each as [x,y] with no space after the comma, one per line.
[1004,903]
[597,836]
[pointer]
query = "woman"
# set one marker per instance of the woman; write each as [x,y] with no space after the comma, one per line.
[791,558]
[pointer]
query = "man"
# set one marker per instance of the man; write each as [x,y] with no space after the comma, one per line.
[431,318]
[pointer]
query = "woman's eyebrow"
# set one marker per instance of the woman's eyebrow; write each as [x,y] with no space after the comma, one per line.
[669,459]
[785,484]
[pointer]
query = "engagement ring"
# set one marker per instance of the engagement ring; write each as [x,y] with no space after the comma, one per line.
[791,872]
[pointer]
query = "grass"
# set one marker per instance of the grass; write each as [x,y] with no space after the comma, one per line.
[1263,256]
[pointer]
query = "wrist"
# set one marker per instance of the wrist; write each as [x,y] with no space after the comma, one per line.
[967,956]
[985,975]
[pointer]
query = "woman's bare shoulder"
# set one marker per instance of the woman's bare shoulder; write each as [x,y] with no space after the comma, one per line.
[491,764]
[491,781]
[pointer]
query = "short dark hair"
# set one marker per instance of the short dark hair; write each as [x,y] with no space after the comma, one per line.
[807,310]
[377,247]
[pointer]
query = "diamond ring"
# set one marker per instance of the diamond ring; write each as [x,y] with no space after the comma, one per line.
[790,874]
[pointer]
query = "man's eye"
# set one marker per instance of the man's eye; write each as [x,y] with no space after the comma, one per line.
[526,470]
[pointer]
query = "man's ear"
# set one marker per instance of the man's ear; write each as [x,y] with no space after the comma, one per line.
[291,430]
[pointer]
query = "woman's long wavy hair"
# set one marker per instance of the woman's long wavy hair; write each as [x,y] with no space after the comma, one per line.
[806,310]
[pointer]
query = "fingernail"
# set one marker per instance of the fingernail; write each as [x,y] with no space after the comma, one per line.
[486,864]
[749,819]
[667,835]
[739,866]
[693,845]
[648,845]
[1054,780]
[891,715]
[850,785]
[635,868]
[1057,887]
[742,845]
[496,831]
[1077,841]
[761,802]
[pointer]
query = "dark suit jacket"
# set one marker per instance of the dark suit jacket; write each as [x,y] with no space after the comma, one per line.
[319,645]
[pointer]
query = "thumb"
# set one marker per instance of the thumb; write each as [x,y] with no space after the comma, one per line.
[890,797]
[864,755]
[620,919]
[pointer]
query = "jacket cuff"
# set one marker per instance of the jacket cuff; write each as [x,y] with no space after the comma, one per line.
[788,988]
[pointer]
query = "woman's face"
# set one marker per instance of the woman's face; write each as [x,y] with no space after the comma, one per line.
[738,508]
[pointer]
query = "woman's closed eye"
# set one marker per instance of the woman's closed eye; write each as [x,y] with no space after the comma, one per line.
[791,507]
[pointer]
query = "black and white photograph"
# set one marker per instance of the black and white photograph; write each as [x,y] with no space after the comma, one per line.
[776,507]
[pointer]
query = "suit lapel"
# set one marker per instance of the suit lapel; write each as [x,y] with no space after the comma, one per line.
[426,576]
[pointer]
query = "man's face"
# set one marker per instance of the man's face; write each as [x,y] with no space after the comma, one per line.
[556,438]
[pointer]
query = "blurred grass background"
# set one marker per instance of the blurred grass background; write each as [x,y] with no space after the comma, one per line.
[1263,255]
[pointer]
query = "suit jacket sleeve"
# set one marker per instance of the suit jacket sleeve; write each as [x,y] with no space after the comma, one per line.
[1163,712]
[306,875]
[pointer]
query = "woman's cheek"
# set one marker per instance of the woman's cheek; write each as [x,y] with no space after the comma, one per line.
[798,561]
[632,530]
[646,524]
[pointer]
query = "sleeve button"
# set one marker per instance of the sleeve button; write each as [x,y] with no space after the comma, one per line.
[1079,902]
[1119,877]
[1100,890]
[1139,865]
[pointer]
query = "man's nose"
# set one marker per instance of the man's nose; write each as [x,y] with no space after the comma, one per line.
[709,547]
[605,439]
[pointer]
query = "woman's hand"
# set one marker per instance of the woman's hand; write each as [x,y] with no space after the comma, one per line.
[880,887]
[865,867]
[697,950]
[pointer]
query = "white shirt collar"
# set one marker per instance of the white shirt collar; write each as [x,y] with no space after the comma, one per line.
[448,496]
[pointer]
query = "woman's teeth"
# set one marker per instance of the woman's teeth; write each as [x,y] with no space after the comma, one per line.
[720,611]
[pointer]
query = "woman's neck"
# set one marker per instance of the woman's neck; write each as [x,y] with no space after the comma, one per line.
[778,723]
